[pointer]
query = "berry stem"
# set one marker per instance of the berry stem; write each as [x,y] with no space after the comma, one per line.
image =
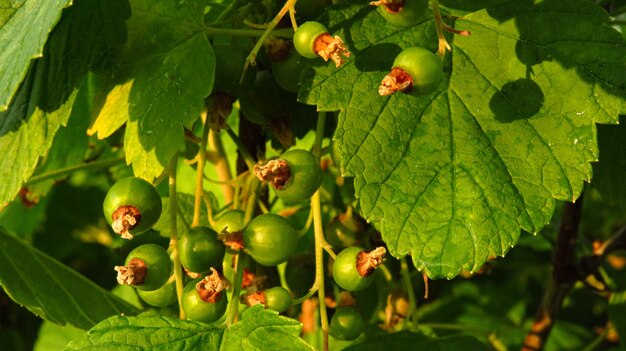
[408,286]
[233,308]
[286,33]
[242,149]
[443,43]
[318,226]
[221,164]
[173,206]
[251,59]
[197,204]
[87,166]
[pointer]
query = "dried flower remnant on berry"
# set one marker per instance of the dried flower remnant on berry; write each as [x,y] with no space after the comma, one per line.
[132,274]
[329,47]
[125,218]
[275,172]
[234,240]
[397,80]
[255,298]
[367,262]
[210,288]
[391,6]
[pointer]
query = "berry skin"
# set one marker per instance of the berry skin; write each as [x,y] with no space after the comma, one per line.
[200,249]
[346,323]
[406,14]
[295,177]
[354,267]
[161,297]
[231,221]
[132,206]
[287,71]
[414,69]
[266,101]
[304,38]
[277,299]
[312,40]
[270,239]
[201,305]
[147,267]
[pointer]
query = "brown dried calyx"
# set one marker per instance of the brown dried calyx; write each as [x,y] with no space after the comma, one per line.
[277,49]
[233,240]
[275,172]
[392,6]
[328,47]
[397,80]
[210,288]
[255,298]
[125,218]
[367,262]
[132,274]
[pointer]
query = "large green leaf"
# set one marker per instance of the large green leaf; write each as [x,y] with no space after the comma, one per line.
[418,342]
[51,290]
[172,66]
[122,333]
[452,177]
[261,329]
[24,28]
[89,36]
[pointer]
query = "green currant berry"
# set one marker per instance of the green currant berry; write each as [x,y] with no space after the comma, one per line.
[266,100]
[300,273]
[343,231]
[277,299]
[229,62]
[406,14]
[287,71]
[203,305]
[354,267]
[270,239]
[132,206]
[295,176]
[346,323]
[161,297]
[200,249]
[305,36]
[414,69]
[232,221]
[147,267]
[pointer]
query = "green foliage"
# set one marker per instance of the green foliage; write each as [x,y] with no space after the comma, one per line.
[264,329]
[458,176]
[51,290]
[148,332]
[188,95]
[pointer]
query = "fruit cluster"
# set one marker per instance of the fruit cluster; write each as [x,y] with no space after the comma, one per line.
[209,254]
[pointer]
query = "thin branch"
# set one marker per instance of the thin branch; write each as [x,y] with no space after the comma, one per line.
[563,277]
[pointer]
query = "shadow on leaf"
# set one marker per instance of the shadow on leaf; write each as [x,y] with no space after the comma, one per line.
[520,99]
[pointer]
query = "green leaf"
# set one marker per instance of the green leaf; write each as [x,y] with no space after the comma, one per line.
[417,342]
[55,337]
[168,70]
[261,329]
[167,94]
[121,333]
[51,290]
[452,177]
[88,37]
[24,28]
